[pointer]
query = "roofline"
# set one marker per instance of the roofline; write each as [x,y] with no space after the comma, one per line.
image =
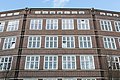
[46,8]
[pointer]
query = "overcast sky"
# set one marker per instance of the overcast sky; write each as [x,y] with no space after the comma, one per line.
[113,5]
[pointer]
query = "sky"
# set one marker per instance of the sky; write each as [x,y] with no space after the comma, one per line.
[112,5]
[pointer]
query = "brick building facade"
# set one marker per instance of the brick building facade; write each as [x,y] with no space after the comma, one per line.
[59,44]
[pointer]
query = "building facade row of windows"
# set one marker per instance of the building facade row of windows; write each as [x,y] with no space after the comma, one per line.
[56,79]
[67,42]
[69,62]
[32,62]
[67,24]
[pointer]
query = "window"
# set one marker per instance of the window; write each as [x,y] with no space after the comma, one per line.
[13,25]
[16,13]
[44,12]
[117,26]
[115,62]
[51,42]
[102,13]
[109,14]
[83,24]
[36,24]
[5,62]
[68,62]
[52,12]
[50,79]
[81,12]
[109,43]
[67,12]
[50,62]
[2,24]
[3,15]
[9,43]
[74,12]
[30,79]
[52,24]
[69,79]
[87,62]
[68,42]
[88,79]
[32,62]
[37,12]
[34,42]
[9,14]
[116,15]
[106,25]
[59,12]
[67,24]
[85,42]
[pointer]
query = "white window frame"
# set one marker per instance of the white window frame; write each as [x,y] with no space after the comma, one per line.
[30,79]
[117,26]
[37,12]
[2,63]
[106,25]
[52,12]
[81,22]
[109,44]
[66,62]
[81,12]
[114,62]
[53,24]
[88,79]
[2,24]
[36,41]
[50,79]
[13,25]
[65,42]
[67,24]
[69,79]
[52,62]
[10,42]
[36,24]
[44,12]
[87,42]
[53,41]
[86,58]
[59,12]
[30,62]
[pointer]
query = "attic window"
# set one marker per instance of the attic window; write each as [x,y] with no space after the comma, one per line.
[9,14]
[52,12]
[81,12]
[67,12]
[109,14]
[59,12]
[74,12]
[44,12]
[102,13]
[16,13]
[3,15]
[37,12]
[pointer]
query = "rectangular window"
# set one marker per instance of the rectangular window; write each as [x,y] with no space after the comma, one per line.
[68,62]
[87,62]
[2,24]
[85,42]
[88,79]
[117,26]
[51,24]
[5,62]
[69,79]
[68,42]
[83,24]
[9,43]
[106,25]
[34,42]
[50,79]
[36,24]
[13,25]
[67,24]
[109,43]
[51,42]
[32,62]
[50,62]
[115,62]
